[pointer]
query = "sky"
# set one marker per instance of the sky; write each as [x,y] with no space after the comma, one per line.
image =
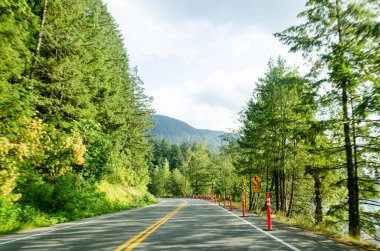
[200,59]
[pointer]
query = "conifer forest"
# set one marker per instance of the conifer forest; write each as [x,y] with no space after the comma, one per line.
[75,122]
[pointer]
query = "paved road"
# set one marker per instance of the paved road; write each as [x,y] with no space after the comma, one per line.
[172,224]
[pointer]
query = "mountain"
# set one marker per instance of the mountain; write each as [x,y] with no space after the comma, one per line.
[177,131]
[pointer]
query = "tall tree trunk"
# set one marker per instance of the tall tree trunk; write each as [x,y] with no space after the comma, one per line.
[352,181]
[283,191]
[277,192]
[290,208]
[291,202]
[39,39]
[318,214]
[355,146]
[282,151]
[250,196]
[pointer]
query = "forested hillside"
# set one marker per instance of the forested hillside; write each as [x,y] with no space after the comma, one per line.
[73,115]
[177,132]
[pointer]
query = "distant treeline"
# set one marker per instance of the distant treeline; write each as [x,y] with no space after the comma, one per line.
[187,169]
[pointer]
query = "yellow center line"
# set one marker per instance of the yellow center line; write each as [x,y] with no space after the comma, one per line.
[144,234]
[149,230]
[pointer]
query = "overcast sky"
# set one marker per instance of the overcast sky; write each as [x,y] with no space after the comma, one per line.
[200,59]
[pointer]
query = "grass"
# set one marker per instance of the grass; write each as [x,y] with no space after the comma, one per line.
[322,229]
[108,198]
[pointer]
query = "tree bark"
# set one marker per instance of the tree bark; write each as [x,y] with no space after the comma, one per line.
[290,208]
[352,180]
[318,214]
[283,191]
[39,39]
[277,192]
[250,196]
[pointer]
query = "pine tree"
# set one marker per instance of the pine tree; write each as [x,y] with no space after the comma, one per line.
[275,123]
[340,36]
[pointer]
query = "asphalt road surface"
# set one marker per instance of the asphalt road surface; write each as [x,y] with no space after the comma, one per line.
[172,224]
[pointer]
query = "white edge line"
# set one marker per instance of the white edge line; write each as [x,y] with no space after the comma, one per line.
[264,232]
[77,224]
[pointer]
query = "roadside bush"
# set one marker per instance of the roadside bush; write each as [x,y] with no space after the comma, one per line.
[9,216]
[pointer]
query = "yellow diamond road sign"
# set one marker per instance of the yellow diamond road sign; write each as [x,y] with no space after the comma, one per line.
[256,189]
[256,179]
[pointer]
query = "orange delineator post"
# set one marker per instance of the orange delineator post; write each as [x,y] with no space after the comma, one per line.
[268,212]
[219,199]
[243,204]
[230,202]
[224,201]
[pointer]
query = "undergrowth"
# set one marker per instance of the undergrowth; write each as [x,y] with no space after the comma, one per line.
[51,206]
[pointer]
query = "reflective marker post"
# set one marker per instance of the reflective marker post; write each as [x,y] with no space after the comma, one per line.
[243,204]
[230,202]
[268,212]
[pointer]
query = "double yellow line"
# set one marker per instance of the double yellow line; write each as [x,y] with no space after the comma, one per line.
[132,243]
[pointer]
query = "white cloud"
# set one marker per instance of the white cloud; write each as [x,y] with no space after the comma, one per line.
[177,102]
[198,71]
[208,103]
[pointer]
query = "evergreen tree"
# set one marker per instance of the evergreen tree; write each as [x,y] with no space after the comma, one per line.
[339,36]
[275,124]
[74,115]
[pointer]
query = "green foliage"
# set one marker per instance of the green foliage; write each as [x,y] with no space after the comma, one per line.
[74,115]
[292,137]
[188,169]
[160,179]
[177,183]
[341,39]
[272,142]
[18,25]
